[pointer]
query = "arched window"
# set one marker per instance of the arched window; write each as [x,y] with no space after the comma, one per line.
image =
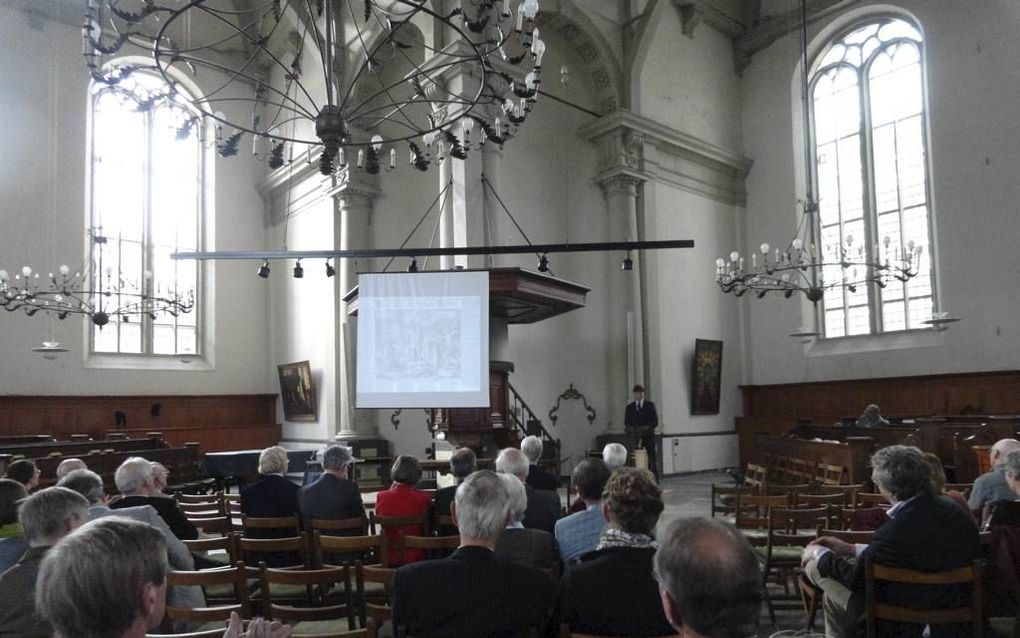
[870,145]
[146,196]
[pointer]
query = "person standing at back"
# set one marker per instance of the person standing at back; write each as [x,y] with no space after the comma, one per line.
[640,420]
[538,478]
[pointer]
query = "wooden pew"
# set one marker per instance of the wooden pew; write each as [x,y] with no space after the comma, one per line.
[183,463]
[853,454]
[66,449]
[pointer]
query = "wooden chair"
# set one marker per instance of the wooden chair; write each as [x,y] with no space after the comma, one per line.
[789,531]
[295,548]
[445,522]
[381,523]
[724,499]
[366,549]
[752,518]
[202,509]
[827,474]
[755,475]
[318,583]
[812,595]
[358,525]
[235,577]
[849,492]
[866,499]
[863,518]
[271,523]
[791,490]
[876,610]
[208,633]
[433,546]
[219,525]
[375,608]
[225,543]
[566,633]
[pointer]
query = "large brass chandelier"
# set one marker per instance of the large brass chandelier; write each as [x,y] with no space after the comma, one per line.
[94,289]
[339,82]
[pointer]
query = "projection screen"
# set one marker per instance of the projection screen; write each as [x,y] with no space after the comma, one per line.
[423,340]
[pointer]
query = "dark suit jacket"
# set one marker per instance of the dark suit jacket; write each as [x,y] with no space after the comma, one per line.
[645,417]
[543,509]
[531,547]
[441,500]
[167,509]
[471,593]
[612,592]
[930,533]
[272,496]
[17,598]
[539,479]
[330,498]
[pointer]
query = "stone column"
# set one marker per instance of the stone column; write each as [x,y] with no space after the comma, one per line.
[626,356]
[352,197]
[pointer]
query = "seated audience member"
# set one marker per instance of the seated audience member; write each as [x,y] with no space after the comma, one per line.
[611,591]
[543,505]
[46,516]
[580,532]
[333,496]
[531,547]
[134,482]
[538,478]
[403,499]
[273,495]
[472,593]
[69,465]
[160,477]
[709,579]
[924,533]
[462,463]
[938,476]
[25,472]
[1003,512]
[12,538]
[82,592]
[991,486]
[872,418]
[614,455]
[90,485]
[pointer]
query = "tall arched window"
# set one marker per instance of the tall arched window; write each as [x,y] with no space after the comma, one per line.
[146,195]
[870,144]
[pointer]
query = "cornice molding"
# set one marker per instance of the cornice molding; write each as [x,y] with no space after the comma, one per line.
[633,145]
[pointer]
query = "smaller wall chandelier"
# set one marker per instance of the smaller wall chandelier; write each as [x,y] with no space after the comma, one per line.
[94,290]
[803,266]
[348,82]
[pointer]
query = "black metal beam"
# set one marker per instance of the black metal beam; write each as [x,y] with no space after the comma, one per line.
[517,249]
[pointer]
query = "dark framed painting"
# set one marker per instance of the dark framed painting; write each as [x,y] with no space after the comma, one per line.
[297,390]
[707,378]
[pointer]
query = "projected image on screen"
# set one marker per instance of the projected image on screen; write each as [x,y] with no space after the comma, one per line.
[423,340]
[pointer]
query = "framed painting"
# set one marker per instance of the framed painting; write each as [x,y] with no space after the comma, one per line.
[297,390]
[707,378]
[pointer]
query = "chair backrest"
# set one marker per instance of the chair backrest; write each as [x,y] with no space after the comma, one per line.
[183,499]
[819,500]
[867,499]
[359,524]
[379,524]
[235,576]
[827,474]
[755,475]
[795,526]
[566,633]
[792,490]
[317,582]
[848,536]
[864,518]
[876,610]
[203,508]
[221,525]
[445,521]
[849,492]
[208,633]
[724,497]
[431,542]
[350,548]
[752,510]
[275,522]
[290,546]
[226,543]
[962,488]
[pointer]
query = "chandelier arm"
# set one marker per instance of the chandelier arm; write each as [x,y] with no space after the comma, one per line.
[388,116]
[435,233]
[233,73]
[421,220]
[318,34]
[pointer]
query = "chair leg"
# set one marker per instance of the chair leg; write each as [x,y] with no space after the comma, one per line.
[809,595]
[768,597]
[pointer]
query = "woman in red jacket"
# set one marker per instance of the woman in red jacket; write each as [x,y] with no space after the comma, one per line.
[403,499]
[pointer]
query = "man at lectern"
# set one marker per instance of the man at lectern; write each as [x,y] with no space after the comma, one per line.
[640,421]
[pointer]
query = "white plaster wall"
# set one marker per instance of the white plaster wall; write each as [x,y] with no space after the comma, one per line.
[689,83]
[42,78]
[301,317]
[972,77]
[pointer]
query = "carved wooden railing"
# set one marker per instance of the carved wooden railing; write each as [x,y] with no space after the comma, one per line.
[526,422]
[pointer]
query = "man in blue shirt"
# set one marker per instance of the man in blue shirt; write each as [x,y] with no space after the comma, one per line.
[579,533]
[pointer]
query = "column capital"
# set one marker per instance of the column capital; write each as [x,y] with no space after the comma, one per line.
[620,183]
[354,188]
